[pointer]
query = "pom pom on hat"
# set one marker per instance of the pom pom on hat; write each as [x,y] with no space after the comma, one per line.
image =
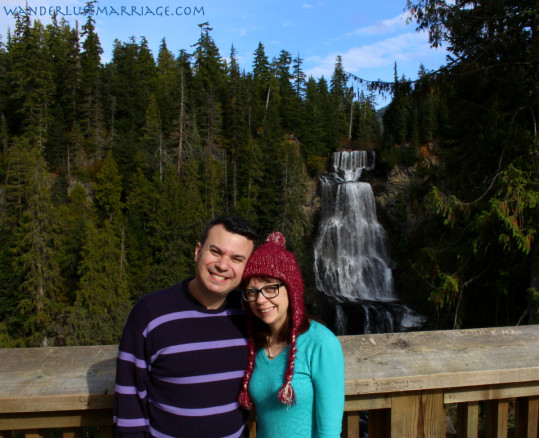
[271,259]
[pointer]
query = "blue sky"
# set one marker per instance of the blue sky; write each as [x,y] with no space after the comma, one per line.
[371,36]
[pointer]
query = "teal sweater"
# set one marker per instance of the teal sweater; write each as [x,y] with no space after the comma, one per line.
[318,383]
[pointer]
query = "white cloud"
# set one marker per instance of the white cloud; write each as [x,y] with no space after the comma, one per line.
[403,48]
[382,27]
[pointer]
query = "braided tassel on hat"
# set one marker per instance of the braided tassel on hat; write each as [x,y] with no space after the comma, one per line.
[272,260]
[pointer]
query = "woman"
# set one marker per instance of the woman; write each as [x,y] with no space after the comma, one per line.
[295,372]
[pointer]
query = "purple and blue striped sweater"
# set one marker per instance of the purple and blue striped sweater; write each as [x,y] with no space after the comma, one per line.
[180,367]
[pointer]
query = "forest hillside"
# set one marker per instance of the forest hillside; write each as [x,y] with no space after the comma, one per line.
[109,172]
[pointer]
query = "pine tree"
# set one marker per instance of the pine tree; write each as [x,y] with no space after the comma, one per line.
[176,223]
[140,203]
[92,108]
[31,77]
[153,148]
[64,52]
[167,89]
[210,79]
[236,121]
[102,302]
[485,199]
[133,72]
[36,253]
[108,188]
[74,217]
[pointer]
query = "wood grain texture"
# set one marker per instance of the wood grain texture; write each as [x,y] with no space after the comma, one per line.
[395,362]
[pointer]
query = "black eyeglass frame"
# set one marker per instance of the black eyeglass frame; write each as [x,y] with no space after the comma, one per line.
[260,291]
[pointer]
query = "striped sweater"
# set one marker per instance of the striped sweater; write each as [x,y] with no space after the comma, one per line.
[180,367]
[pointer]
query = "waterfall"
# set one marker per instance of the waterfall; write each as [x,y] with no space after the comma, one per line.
[352,266]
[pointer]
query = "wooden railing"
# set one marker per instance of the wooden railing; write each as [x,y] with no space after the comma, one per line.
[488,379]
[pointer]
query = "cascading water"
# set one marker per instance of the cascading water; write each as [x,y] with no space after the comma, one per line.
[351,263]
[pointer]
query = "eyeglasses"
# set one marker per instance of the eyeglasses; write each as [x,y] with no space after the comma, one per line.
[269,291]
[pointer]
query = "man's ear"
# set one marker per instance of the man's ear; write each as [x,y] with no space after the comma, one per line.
[197,251]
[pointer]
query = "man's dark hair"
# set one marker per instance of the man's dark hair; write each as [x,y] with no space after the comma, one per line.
[232,224]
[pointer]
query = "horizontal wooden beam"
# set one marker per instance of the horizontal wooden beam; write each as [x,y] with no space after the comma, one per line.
[491,392]
[47,420]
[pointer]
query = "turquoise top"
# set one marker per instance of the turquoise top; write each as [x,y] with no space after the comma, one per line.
[318,383]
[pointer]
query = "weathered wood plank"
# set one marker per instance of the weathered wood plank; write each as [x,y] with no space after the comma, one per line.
[440,359]
[46,420]
[57,379]
[367,402]
[490,392]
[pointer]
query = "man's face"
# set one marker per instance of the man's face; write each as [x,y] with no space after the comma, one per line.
[220,262]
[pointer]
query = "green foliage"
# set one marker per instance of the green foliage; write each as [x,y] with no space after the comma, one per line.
[477,231]
[102,302]
[109,172]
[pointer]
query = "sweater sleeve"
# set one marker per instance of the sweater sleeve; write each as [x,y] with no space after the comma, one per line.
[131,416]
[328,379]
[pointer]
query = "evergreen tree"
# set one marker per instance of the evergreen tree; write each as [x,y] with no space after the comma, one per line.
[108,188]
[210,78]
[236,122]
[298,76]
[140,204]
[64,52]
[74,217]
[102,302]
[31,77]
[91,107]
[154,152]
[4,93]
[261,84]
[485,199]
[36,254]
[176,222]
[339,104]
[133,71]
[167,89]
[290,107]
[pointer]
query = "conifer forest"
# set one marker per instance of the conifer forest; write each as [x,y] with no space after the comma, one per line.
[110,171]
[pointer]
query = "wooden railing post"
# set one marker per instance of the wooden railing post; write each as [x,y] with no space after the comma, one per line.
[350,425]
[526,417]
[418,415]
[468,419]
[497,416]
[379,423]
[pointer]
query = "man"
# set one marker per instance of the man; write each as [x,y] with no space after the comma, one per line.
[183,351]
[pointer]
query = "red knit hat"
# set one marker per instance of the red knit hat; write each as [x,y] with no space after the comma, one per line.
[271,259]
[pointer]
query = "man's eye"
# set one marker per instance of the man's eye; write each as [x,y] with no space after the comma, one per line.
[214,251]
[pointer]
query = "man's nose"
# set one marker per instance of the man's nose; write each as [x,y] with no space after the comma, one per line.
[222,263]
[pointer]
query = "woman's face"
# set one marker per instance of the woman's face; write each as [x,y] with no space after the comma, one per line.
[272,311]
